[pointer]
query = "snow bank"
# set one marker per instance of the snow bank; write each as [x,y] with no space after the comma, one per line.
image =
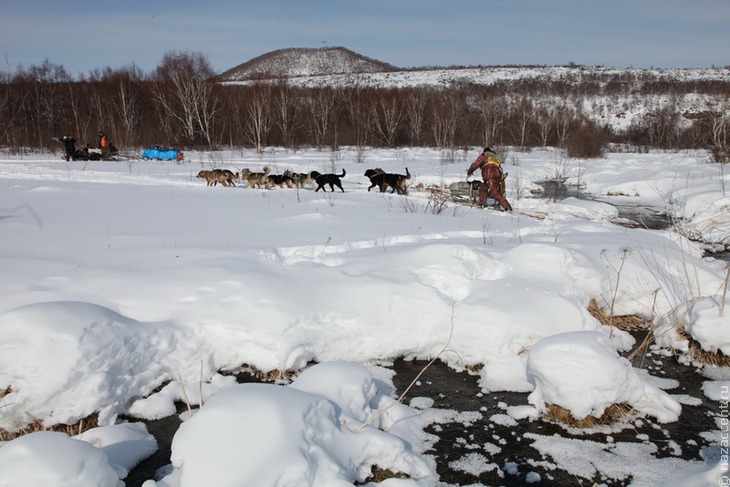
[125,444]
[128,286]
[55,459]
[583,373]
[99,457]
[92,360]
[304,435]
[708,216]
[708,325]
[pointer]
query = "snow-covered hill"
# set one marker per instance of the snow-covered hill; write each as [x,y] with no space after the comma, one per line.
[310,76]
[295,62]
[615,97]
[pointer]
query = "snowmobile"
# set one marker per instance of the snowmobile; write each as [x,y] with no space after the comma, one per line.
[87,153]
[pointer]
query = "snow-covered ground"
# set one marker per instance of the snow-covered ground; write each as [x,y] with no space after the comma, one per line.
[127,286]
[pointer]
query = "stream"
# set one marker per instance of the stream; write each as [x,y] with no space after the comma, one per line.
[504,448]
[506,445]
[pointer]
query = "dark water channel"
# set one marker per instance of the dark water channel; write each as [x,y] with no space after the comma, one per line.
[628,215]
[515,461]
[633,216]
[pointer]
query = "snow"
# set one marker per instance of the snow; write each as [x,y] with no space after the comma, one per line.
[618,111]
[708,326]
[249,424]
[46,458]
[129,286]
[599,377]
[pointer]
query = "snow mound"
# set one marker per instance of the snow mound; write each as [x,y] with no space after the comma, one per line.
[99,360]
[708,326]
[583,373]
[277,435]
[709,217]
[49,458]
[125,444]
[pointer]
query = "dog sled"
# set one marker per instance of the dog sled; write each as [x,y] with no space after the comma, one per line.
[160,153]
[466,193]
[463,193]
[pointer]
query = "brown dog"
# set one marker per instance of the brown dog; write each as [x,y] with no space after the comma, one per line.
[257,179]
[226,177]
[383,180]
[215,176]
[331,179]
[300,179]
[207,175]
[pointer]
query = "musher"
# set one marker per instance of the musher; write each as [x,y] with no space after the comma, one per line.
[491,167]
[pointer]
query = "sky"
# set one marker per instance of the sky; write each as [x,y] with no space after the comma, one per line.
[82,35]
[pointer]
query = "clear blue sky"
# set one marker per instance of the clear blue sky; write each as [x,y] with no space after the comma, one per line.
[82,35]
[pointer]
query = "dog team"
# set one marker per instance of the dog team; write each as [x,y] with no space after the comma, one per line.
[264,179]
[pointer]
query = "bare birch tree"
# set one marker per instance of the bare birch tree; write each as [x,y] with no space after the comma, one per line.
[257,115]
[285,112]
[386,116]
[355,107]
[321,106]
[445,119]
[415,107]
[492,114]
[183,90]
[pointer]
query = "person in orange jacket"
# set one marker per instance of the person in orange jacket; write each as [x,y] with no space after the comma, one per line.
[492,175]
[103,144]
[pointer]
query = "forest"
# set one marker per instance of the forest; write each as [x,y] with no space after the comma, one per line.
[181,103]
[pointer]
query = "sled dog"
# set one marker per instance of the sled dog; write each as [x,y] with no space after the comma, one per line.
[215,176]
[300,179]
[328,179]
[257,179]
[383,180]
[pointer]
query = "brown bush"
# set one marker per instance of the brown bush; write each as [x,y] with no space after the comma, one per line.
[587,141]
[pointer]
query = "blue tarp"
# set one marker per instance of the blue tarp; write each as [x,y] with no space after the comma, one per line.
[161,154]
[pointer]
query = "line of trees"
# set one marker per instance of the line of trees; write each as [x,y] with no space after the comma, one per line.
[181,104]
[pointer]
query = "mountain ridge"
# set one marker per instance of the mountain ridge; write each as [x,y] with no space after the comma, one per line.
[337,66]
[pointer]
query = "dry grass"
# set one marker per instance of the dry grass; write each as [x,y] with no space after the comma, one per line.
[698,354]
[613,414]
[272,376]
[91,421]
[379,475]
[623,322]
[474,369]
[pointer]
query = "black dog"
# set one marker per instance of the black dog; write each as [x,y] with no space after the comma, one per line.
[382,180]
[331,179]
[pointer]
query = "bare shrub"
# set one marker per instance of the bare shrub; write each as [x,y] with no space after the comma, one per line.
[87,423]
[623,322]
[586,141]
[613,414]
[697,353]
